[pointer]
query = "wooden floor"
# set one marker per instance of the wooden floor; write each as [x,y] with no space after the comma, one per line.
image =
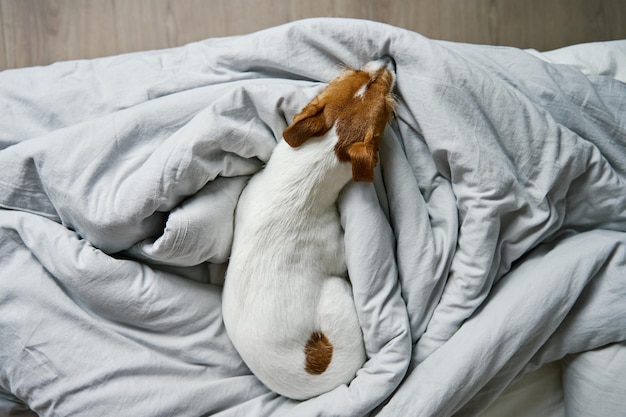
[36,32]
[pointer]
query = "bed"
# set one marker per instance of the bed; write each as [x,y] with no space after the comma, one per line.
[487,260]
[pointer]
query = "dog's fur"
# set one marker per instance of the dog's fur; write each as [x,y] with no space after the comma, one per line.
[287,303]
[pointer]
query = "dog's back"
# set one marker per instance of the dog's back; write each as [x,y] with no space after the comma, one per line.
[287,303]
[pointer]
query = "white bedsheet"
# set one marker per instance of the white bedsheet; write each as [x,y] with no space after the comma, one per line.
[594,58]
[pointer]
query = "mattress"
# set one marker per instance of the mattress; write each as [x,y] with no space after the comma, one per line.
[486,260]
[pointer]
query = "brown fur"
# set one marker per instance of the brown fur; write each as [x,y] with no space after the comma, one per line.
[318,353]
[360,119]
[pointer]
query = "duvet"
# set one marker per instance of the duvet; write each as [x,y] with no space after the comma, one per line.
[492,241]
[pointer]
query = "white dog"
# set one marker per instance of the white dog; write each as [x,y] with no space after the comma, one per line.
[287,302]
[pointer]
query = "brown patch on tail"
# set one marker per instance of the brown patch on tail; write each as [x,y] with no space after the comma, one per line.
[318,353]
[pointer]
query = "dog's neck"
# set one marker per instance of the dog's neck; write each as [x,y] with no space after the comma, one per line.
[309,177]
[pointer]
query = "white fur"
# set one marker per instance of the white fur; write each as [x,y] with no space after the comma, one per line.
[361,91]
[287,275]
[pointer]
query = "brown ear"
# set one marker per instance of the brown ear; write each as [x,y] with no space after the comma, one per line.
[306,124]
[363,160]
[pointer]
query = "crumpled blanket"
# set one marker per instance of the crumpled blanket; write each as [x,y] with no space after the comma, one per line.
[492,241]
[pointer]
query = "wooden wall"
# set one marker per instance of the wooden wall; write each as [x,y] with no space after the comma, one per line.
[36,32]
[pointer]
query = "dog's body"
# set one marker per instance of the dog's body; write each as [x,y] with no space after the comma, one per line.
[287,302]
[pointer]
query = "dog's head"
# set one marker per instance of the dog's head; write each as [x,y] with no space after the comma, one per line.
[359,103]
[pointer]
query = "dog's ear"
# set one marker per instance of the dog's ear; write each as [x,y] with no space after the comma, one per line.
[364,160]
[310,122]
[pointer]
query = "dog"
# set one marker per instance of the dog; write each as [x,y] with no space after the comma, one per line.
[287,301]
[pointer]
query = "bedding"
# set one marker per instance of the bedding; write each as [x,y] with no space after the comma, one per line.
[491,244]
